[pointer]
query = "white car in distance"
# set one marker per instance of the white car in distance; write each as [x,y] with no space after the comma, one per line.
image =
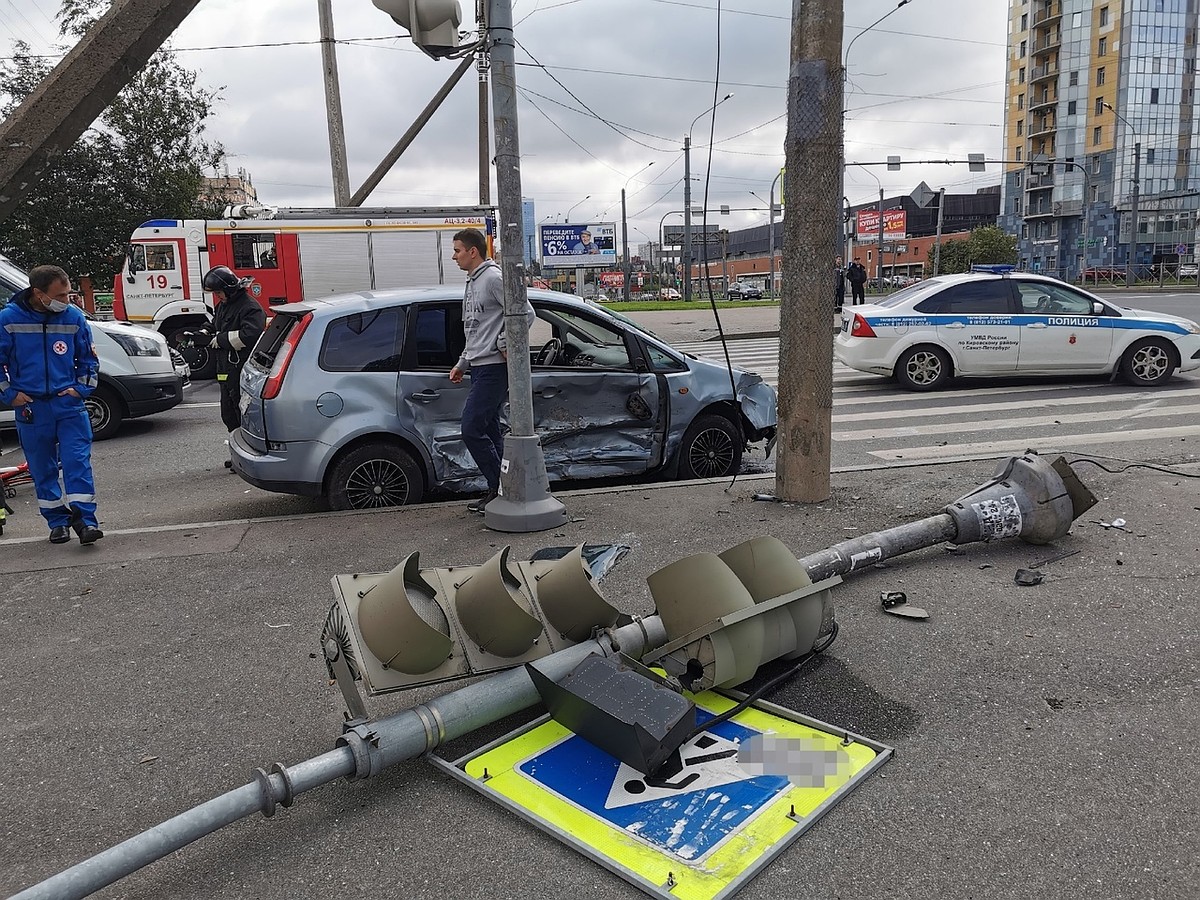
[998,322]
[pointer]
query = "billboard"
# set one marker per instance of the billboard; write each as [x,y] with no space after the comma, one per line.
[895,224]
[572,246]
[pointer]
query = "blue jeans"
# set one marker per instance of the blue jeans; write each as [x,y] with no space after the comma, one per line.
[481,420]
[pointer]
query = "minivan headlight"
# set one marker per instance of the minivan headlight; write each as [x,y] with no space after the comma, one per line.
[137,344]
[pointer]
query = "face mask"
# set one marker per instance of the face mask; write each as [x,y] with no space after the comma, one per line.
[57,306]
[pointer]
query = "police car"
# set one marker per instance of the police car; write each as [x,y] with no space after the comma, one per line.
[998,322]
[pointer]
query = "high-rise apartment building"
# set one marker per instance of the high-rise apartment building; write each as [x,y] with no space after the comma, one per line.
[1100,94]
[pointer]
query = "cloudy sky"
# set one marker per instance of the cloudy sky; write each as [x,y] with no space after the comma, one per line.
[605,87]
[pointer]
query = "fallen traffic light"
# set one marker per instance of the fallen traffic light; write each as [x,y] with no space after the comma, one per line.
[411,626]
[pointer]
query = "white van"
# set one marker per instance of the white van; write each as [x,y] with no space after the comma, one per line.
[139,374]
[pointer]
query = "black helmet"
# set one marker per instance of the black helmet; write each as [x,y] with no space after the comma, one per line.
[221,278]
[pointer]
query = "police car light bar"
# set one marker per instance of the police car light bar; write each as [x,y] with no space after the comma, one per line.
[994,269]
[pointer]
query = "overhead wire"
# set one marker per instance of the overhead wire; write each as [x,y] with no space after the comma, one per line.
[577,99]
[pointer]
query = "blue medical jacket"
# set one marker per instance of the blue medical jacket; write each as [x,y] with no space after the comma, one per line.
[43,354]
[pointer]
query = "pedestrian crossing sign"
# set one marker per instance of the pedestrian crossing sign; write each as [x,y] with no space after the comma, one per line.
[737,793]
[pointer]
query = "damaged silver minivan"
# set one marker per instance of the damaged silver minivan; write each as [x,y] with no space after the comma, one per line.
[349,398]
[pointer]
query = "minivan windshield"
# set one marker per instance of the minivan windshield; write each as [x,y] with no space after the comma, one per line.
[12,279]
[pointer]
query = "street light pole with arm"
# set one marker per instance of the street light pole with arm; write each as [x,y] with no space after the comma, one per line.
[771,230]
[626,269]
[687,199]
[1133,202]
[567,220]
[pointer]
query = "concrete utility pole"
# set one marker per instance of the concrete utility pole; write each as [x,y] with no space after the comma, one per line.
[525,503]
[813,150]
[74,94]
[333,107]
[385,166]
[485,156]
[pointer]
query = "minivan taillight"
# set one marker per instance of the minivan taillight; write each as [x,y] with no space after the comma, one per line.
[860,328]
[284,357]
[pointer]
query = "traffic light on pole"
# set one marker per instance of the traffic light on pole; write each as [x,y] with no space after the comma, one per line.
[412,626]
[433,24]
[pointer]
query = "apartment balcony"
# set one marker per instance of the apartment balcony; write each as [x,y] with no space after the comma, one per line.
[1041,73]
[1050,101]
[1045,127]
[1050,13]
[1039,211]
[1047,42]
[1039,183]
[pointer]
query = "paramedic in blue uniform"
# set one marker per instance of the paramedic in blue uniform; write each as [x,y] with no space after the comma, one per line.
[47,366]
[239,321]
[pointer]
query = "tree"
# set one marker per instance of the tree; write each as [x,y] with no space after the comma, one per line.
[987,244]
[143,158]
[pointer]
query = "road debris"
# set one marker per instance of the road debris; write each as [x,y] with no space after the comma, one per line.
[1029,577]
[896,603]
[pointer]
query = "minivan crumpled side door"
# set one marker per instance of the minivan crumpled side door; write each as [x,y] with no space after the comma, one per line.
[596,405]
[428,402]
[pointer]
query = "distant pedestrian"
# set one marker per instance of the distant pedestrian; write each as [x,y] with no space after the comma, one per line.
[48,365]
[239,321]
[839,284]
[857,276]
[484,356]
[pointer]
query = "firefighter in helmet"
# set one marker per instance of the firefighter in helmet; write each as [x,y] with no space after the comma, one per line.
[239,322]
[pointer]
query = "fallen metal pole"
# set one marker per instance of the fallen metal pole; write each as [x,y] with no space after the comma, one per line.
[364,750]
[1028,498]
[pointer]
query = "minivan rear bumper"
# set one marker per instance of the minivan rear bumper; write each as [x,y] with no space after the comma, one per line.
[278,472]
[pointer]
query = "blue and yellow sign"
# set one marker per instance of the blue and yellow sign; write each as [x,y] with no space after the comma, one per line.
[738,792]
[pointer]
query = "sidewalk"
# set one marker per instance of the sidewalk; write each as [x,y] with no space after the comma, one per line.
[1044,733]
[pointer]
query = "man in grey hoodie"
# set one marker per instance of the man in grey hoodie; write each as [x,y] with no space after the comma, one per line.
[485,357]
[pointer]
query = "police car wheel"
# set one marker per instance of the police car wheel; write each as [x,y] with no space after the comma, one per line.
[1148,362]
[374,476]
[923,368]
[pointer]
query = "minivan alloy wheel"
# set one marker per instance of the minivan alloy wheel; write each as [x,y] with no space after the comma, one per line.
[375,476]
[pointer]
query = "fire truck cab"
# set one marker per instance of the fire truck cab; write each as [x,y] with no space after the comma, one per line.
[290,255]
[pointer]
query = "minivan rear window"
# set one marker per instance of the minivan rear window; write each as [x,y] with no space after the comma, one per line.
[364,342]
[268,345]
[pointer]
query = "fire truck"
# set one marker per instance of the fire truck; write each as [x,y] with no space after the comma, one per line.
[290,255]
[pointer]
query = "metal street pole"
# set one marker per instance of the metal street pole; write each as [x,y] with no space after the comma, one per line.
[687,202]
[1130,274]
[687,217]
[771,230]
[880,251]
[1133,203]
[813,148]
[525,503]
[937,247]
[627,269]
[333,106]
